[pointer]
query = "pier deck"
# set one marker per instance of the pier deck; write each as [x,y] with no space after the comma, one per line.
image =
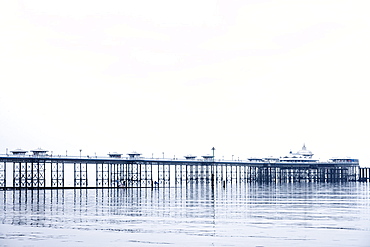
[97,172]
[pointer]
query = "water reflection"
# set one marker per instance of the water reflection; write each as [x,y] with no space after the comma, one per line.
[264,214]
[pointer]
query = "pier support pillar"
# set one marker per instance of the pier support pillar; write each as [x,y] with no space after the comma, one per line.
[29,174]
[80,175]
[2,174]
[163,174]
[102,175]
[57,174]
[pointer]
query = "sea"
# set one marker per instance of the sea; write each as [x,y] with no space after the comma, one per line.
[191,214]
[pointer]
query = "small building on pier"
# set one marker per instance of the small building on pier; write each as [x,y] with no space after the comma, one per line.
[208,157]
[190,157]
[39,152]
[304,152]
[134,155]
[115,155]
[19,152]
[254,160]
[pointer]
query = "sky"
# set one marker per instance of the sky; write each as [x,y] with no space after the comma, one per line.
[250,78]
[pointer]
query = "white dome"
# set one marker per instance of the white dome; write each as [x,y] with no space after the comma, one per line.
[304,151]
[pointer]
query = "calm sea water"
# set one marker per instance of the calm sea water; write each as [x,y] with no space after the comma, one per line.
[242,214]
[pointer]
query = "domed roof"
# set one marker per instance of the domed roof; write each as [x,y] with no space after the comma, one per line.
[304,151]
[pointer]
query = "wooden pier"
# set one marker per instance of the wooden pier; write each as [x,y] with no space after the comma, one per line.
[135,172]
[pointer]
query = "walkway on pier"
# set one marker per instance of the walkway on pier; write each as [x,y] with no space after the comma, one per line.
[76,172]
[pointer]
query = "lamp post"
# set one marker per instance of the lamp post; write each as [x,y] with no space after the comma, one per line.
[80,153]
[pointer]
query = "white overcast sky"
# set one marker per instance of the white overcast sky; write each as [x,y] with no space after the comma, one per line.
[250,78]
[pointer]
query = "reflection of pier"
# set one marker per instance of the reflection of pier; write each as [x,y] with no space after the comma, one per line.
[42,171]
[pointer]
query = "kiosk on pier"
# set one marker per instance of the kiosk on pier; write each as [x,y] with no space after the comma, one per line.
[134,155]
[39,152]
[190,157]
[208,157]
[115,155]
[19,152]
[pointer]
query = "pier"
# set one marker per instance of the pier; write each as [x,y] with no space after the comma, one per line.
[42,171]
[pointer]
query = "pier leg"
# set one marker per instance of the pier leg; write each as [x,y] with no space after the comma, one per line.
[39,174]
[80,175]
[3,175]
[102,175]
[178,175]
[57,174]
[28,172]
